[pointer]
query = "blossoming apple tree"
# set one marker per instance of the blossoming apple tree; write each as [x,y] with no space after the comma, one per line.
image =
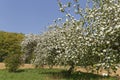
[92,40]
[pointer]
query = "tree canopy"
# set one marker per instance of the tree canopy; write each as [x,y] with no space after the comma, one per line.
[10,44]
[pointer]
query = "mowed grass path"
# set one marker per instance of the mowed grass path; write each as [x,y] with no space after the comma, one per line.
[49,74]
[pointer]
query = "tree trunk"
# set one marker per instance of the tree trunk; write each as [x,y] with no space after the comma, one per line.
[71,69]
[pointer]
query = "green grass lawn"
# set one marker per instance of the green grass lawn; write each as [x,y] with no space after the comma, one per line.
[49,74]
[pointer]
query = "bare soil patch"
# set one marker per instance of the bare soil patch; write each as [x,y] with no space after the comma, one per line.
[25,66]
[2,66]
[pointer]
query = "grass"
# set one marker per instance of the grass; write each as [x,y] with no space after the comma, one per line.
[50,74]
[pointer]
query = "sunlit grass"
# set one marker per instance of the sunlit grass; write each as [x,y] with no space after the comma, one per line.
[49,74]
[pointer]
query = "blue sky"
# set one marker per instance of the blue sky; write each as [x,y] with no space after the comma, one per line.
[28,16]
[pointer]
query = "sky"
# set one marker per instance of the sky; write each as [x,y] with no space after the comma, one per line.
[29,16]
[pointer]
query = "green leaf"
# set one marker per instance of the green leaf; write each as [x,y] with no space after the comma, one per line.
[60,4]
[69,4]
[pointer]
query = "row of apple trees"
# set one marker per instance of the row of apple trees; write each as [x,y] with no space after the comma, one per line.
[91,41]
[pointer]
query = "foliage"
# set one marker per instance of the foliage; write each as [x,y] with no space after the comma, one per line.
[92,41]
[29,43]
[13,62]
[10,44]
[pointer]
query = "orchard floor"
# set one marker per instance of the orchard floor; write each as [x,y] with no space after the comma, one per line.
[49,74]
[58,73]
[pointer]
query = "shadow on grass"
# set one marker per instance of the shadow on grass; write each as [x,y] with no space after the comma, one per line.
[20,70]
[17,71]
[76,76]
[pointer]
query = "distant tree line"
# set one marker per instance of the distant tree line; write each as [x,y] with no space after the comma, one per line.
[10,44]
